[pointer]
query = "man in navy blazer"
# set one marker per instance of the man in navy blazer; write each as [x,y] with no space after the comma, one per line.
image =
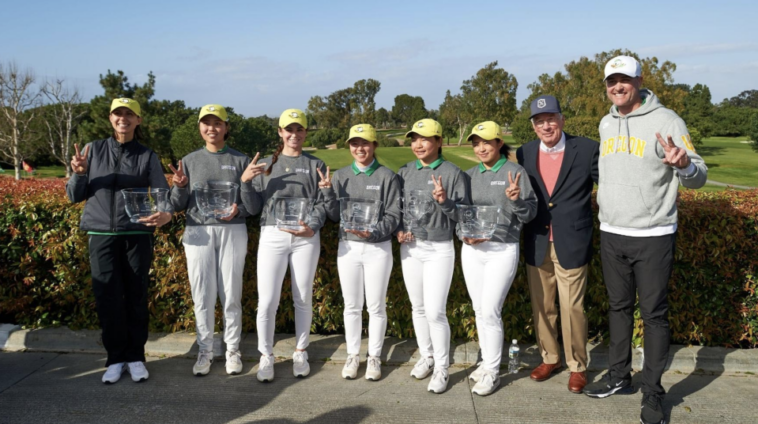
[558,241]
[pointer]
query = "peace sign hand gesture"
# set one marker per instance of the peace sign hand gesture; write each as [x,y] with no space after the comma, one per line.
[439,194]
[253,170]
[179,179]
[673,155]
[79,160]
[325,181]
[513,190]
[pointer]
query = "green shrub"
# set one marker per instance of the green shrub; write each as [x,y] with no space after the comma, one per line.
[322,138]
[45,278]
[384,141]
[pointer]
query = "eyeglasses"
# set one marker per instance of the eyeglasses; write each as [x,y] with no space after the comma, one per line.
[550,121]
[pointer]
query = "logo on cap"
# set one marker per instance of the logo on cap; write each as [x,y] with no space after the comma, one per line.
[211,109]
[420,124]
[541,103]
[618,63]
[480,127]
[124,101]
[359,129]
[294,114]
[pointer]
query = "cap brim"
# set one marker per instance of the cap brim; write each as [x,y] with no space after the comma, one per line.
[125,107]
[212,113]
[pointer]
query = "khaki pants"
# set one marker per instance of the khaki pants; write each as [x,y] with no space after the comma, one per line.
[571,285]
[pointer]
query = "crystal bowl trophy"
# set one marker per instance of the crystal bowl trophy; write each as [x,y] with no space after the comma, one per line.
[289,211]
[359,214]
[143,202]
[215,199]
[477,222]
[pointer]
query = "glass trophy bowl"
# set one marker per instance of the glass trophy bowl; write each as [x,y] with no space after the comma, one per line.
[215,199]
[143,202]
[359,214]
[477,222]
[289,211]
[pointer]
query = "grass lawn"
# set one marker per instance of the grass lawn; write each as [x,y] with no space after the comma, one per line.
[41,172]
[730,161]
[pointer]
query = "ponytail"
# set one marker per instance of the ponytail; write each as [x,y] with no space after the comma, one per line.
[505,149]
[275,158]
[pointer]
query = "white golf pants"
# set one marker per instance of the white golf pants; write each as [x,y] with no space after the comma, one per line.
[215,262]
[276,250]
[489,269]
[365,268]
[428,272]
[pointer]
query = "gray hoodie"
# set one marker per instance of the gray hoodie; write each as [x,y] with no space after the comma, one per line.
[636,189]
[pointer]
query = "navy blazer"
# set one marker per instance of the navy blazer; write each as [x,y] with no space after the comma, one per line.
[569,209]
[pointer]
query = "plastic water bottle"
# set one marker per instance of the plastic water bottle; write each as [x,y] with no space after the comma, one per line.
[513,362]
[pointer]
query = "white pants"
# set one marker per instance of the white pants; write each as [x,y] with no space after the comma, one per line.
[276,250]
[215,262]
[365,268]
[489,269]
[428,272]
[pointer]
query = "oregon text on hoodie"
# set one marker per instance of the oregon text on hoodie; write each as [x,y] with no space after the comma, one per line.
[637,190]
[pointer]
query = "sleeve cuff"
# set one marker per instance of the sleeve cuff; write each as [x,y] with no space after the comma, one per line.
[687,172]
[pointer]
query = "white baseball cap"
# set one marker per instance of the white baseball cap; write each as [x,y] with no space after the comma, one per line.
[625,65]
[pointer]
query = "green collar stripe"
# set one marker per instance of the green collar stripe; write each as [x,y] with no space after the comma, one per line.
[226,147]
[433,165]
[499,164]
[370,170]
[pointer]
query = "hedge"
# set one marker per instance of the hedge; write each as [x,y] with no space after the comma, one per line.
[45,276]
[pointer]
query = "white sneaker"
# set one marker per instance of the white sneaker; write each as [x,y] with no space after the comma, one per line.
[438,383]
[233,362]
[477,374]
[266,368]
[113,373]
[488,382]
[138,371]
[423,368]
[203,364]
[300,367]
[350,370]
[373,368]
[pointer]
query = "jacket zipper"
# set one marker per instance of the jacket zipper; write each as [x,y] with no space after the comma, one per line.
[113,187]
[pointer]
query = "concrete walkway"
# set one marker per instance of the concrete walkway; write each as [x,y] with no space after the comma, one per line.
[741,187]
[40,384]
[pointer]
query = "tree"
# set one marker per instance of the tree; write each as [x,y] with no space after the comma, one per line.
[61,118]
[345,107]
[698,110]
[363,104]
[754,131]
[18,99]
[491,93]
[455,116]
[748,98]
[581,92]
[382,118]
[408,109]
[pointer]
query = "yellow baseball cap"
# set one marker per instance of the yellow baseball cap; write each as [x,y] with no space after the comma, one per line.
[364,131]
[130,104]
[290,116]
[487,130]
[426,128]
[216,110]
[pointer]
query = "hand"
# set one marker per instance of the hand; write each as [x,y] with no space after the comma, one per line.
[673,156]
[157,219]
[325,181]
[473,241]
[253,170]
[234,213]
[306,231]
[361,234]
[405,237]
[513,190]
[438,193]
[179,179]
[79,161]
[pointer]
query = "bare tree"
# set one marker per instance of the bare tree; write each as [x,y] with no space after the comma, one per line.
[17,102]
[61,117]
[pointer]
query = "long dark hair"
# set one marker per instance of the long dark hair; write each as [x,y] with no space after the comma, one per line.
[505,149]
[275,157]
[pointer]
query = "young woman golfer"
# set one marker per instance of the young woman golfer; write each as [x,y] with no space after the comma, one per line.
[364,258]
[289,172]
[489,265]
[215,246]
[427,254]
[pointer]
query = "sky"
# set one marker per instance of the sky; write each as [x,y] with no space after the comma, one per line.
[263,57]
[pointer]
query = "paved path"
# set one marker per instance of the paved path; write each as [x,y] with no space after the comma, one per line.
[43,387]
[742,187]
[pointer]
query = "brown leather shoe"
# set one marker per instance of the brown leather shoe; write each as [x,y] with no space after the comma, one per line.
[544,371]
[577,381]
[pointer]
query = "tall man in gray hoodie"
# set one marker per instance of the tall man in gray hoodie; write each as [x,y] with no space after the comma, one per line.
[645,152]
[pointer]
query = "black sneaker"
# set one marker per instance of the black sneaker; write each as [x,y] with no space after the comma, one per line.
[652,412]
[609,386]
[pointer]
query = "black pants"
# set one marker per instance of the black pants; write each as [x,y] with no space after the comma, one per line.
[120,266]
[631,266]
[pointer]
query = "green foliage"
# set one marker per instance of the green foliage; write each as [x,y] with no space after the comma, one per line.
[385,141]
[698,111]
[754,131]
[346,107]
[695,136]
[730,121]
[521,129]
[324,137]
[491,93]
[408,109]
[46,277]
